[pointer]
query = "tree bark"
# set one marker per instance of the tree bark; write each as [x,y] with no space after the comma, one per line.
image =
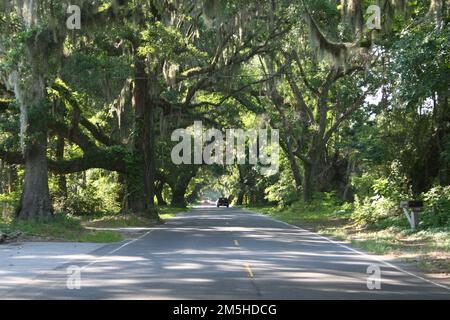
[311,168]
[240,198]
[158,192]
[241,191]
[42,50]
[178,200]
[35,200]
[294,168]
[142,190]
[179,187]
[308,182]
[62,181]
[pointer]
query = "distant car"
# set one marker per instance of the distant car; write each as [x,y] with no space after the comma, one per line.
[222,202]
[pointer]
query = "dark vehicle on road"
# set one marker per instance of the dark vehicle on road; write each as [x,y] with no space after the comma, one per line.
[223,202]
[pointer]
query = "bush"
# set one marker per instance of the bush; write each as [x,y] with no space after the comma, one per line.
[437,210]
[394,186]
[84,202]
[283,190]
[8,202]
[98,195]
[372,210]
[326,203]
[363,185]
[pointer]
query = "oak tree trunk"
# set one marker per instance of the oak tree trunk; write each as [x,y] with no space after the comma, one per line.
[158,192]
[142,180]
[178,200]
[35,201]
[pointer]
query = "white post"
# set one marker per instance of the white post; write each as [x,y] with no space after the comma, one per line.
[411,216]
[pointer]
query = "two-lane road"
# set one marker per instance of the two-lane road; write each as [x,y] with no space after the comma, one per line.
[212,253]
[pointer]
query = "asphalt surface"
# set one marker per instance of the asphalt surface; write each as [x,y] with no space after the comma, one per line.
[212,253]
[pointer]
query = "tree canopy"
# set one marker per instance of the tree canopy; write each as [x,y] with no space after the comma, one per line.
[86,115]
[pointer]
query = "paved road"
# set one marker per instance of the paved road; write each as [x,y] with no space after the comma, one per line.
[212,253]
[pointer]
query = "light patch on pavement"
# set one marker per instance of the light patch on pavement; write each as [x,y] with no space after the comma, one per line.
[196,280]
[184,266]
[248,268]
[68,257]
[23,264]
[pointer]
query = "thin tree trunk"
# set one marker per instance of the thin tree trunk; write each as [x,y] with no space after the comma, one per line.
[350,170]
[311,167]
[295,169]
[158,192]
[62,181]
[2,188]
[308,184]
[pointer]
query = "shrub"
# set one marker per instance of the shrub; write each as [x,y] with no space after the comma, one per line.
[283,190]
[8,203]
[84,202]
[363,184]
[372,210]
[326,203]
[437,210]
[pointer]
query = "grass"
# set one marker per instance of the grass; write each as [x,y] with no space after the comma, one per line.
[429,249]
[118,220]
[82,229]
[61,228]
[168,212]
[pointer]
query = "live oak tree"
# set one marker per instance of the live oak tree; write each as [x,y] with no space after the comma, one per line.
[195,45]
[108,95]
[31,48]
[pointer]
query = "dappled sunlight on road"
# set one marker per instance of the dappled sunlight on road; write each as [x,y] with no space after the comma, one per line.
[213,253]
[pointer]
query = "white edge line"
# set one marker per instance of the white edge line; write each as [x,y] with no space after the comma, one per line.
[37,277]
[372,257]
[116,250]
[125,244]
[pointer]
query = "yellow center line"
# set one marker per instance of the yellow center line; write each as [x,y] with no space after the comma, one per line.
[249,270]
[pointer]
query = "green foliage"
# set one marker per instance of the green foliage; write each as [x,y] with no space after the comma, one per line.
[384,212]
[421,62]
[370,211]
[166,42]
[393,146]
[437,210]
[282,191]
[83,202]
[10,198]
[326,202]
[378,196]
[97,192]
